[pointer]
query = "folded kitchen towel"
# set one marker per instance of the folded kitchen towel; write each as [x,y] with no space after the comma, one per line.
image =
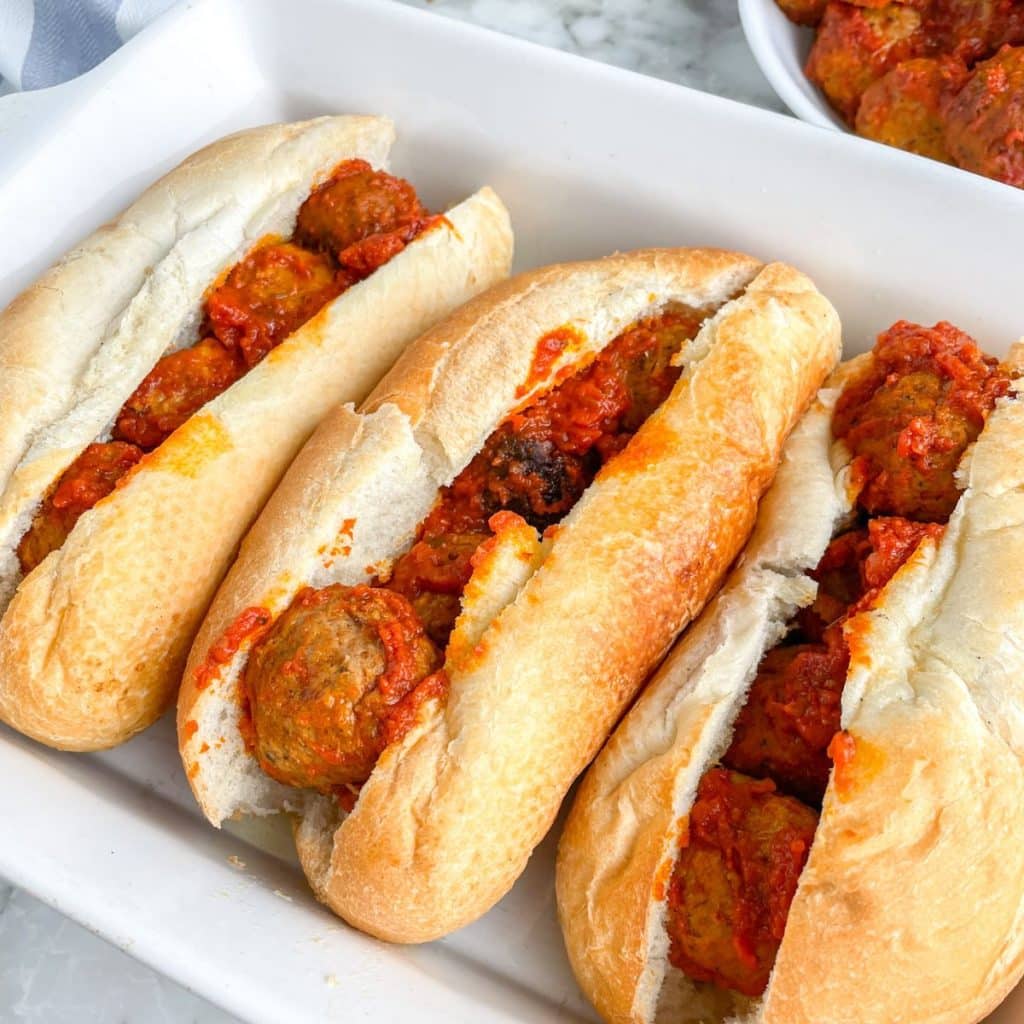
[43,42]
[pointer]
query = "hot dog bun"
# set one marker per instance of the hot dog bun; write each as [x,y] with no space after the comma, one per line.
[909,908]
[554,637]
[93,642]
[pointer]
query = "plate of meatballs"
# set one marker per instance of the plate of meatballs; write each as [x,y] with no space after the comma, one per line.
[940,78]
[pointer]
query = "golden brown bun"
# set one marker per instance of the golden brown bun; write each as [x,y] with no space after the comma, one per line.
[910,907]
[93,643]
[544,659]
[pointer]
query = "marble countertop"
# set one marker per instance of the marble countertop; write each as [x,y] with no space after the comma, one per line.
[51,970]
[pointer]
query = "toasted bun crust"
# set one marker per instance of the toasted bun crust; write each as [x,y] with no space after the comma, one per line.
[910,906]
[93,643]
[544,659]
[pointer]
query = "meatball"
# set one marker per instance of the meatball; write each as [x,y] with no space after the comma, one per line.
[645,352]
[985,121]
[910,419]
[793,709]
[734,880]
[354,204]
[974,29]
[856,565]
[791,714]
[179,385]
[322,682]
[432,574]
[268,295]
[856,46]
[92,476]
[905,107]
[532,478]
[803,12]
[513,472]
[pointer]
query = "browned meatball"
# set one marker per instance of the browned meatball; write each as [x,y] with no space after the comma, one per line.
[355,203]
[432,574]
[904,108]
[323,680]
[270,294]
[985,121]
[791,715]
[974,29]
[909,420]
[531,477]
[803,12]
[735,879]
[645,354]
[175,388]
[92,476]
[856,46]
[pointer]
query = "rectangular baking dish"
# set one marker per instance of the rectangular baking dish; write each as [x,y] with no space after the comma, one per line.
[590,159]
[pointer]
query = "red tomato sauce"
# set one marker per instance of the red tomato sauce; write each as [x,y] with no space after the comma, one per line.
[402,716]
[249,623]
[91,477]
[549,348]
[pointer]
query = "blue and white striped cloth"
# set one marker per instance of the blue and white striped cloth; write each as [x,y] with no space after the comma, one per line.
[43,42]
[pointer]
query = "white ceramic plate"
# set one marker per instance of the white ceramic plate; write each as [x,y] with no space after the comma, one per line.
[590,159]
[780,49]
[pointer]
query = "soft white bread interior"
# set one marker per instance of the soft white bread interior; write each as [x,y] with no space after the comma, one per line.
[94,642]
[910,906]
[76,344]
[451,813]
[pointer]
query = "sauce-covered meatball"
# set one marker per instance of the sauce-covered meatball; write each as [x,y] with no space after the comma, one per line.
[985,121]
[179,385]
[791,715]
[92,476]
[905,107]
[793,710]
[268,295]
[735,879]
[974,29]
[645,353]
[856,46]
[803,12]
[354,204]
[432,574]
[533,478]
[323,681]
[910,419]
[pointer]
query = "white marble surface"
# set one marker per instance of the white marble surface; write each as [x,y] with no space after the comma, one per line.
[51,970]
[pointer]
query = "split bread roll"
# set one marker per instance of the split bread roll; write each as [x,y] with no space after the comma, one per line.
[554,636]
[910,904]
[94,638]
